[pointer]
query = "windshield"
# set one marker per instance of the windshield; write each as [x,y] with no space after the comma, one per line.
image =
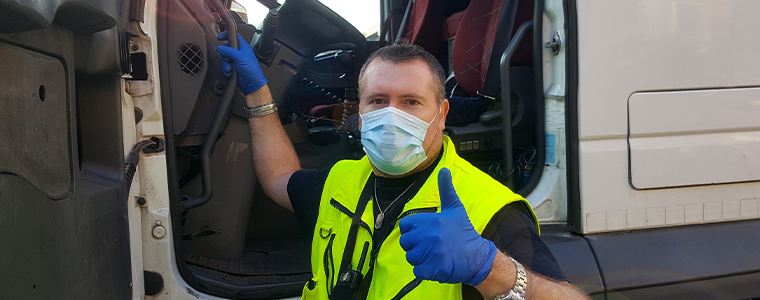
[363,14]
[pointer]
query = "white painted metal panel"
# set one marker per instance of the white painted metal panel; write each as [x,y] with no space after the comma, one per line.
[646,45]
[683,160]
[694,137]
[627,47]
[701,111]
[549,198]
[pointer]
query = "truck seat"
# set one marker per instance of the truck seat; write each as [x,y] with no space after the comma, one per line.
[474,42]
[423,27]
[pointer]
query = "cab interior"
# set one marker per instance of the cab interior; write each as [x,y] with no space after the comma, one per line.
[237,243]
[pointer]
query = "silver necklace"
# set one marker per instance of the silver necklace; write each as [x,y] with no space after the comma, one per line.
[381,215]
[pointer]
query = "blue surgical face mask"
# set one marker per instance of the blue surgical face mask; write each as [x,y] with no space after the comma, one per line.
[393,139]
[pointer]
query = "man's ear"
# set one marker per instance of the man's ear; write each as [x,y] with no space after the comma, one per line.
[444,110]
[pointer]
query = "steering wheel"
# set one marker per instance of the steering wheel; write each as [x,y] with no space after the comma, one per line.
[309,27]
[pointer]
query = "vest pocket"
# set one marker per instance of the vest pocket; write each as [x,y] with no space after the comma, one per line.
[311,289]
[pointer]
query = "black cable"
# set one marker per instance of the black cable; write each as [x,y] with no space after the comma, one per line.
[133,158]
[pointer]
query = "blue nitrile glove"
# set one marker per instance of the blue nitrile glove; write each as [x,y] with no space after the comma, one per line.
[444,246]
[251,77]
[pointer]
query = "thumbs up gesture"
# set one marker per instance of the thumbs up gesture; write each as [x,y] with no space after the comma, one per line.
[444,246]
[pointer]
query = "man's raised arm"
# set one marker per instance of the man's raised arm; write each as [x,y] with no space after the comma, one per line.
[274,159]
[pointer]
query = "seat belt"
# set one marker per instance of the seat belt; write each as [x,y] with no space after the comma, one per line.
[384,29]
[404,20]
[491,84]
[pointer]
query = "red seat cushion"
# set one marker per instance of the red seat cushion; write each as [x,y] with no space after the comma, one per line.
[325,110]
[415,21]
[451,24]
[423,27]
[475,35]
[473,43]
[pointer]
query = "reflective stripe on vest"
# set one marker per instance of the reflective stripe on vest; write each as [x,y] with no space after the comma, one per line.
[393,277]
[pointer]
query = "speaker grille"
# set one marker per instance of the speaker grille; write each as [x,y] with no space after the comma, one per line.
[190,59]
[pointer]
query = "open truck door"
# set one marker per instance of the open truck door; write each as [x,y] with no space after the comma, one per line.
[63,196]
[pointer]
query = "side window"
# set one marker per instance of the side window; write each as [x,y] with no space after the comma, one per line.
[254,11]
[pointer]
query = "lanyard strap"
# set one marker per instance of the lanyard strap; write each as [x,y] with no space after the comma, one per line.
[356,221]
[349,279]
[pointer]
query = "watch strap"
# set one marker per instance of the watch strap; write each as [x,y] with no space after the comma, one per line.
[521,284]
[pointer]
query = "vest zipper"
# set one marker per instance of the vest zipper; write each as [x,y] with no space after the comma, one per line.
[350,214]
[407,288]
[373,254]
[376,250]
[416,211]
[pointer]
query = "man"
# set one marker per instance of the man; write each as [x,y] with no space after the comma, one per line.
[406,220]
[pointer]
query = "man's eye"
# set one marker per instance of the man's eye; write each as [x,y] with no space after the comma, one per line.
[376,101]
[413,102]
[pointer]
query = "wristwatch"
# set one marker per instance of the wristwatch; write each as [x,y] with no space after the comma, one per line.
[521,284]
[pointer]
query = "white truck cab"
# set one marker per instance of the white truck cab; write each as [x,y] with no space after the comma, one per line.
[632,128]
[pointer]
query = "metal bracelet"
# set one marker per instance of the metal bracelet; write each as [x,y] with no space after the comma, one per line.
[521,285]
[260,111]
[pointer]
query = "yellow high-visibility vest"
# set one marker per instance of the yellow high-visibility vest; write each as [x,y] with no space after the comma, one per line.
[393,277]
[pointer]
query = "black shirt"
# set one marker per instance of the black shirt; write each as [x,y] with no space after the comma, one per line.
[512,229]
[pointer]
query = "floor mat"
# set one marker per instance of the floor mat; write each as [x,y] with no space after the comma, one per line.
[263,257]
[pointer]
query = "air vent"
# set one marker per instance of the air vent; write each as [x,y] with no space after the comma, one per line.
[190,60]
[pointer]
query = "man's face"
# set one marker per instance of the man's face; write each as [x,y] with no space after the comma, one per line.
[406,86]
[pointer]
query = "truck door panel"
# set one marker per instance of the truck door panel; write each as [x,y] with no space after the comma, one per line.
[62,193]
[34,113]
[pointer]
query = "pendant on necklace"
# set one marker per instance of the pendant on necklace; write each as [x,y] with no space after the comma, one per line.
[379,220]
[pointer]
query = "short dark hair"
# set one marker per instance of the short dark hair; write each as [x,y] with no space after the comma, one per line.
[403,51]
